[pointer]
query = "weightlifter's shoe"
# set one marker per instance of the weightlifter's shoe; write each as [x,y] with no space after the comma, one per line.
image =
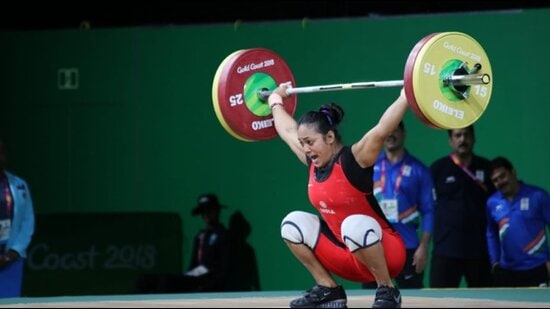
[387,297]
[321,297]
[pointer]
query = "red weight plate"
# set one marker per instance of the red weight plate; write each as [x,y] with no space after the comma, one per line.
[231,108]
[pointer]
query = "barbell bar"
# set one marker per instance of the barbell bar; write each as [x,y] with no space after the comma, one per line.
[455,80]
[442,91]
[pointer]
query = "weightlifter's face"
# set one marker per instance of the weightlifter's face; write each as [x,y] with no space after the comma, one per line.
[462,141]
[316,145]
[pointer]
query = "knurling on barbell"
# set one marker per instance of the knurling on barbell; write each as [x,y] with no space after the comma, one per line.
[447,81]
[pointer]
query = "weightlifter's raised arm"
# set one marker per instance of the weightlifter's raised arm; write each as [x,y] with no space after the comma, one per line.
[285,124]
[367,149]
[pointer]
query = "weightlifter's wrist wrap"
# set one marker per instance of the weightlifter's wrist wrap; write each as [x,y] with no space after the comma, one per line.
[274,100]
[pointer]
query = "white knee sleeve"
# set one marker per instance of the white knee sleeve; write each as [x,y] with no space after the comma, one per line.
[301,227]
[360,231]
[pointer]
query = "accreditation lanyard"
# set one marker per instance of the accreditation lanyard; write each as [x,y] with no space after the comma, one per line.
[456,161]
[390,206]
[7,196]
[397,180]
[6,213]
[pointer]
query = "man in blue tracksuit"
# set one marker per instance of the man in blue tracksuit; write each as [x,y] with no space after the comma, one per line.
[16,228]
[403,187]
[517,215]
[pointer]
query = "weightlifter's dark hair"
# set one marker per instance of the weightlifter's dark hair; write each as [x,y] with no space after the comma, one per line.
[325,119]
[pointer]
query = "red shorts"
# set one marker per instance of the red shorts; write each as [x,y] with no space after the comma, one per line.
[337,258]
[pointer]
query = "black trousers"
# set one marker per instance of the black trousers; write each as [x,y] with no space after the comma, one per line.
[447,272]
[536,277]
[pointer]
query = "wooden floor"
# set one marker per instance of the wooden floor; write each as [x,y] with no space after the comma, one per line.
[427,298]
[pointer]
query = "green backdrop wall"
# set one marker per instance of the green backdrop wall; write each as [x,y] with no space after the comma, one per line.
[139,132]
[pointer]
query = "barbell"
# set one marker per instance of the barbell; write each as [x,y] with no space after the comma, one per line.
[447,80]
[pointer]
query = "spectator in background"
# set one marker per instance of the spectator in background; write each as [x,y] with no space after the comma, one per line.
[518,215]
[243,269]
[208,270]
[403,187]
[209,262]
[16,227]
[462,187]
